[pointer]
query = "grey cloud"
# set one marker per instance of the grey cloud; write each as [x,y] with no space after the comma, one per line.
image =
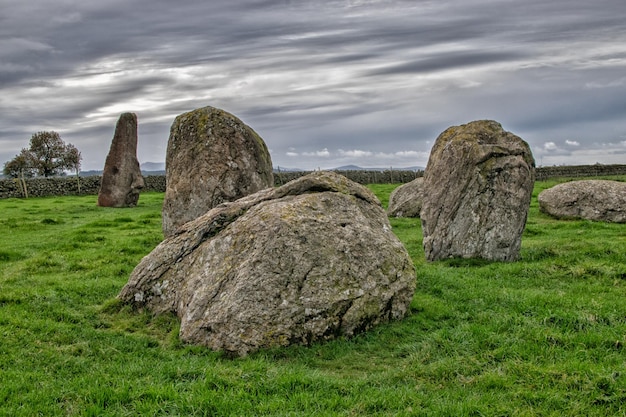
[447,60]
[366,75]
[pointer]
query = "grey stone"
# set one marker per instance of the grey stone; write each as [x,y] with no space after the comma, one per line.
[312,260]
[477,189]
[598,200]
[121,179]
[406,200]
[212,157]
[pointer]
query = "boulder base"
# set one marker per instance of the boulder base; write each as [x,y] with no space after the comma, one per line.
[309,261]
[477,188]
[599,200]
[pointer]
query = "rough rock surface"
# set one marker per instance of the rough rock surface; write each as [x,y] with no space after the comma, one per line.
[312,260]
[599,200]
[212,157]
[406,200]
[477,188]
[121,179]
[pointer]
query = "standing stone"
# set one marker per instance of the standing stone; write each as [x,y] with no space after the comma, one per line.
[121,178]
[212,157]
[406,200]
[477,189]
[310,261]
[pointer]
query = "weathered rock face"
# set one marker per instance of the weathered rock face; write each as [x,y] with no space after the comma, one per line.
[477,189]
[406,200]
[121,179]
[598,200]
[312,260]
[212,157]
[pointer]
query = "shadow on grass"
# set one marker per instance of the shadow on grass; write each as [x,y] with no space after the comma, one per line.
[466,262]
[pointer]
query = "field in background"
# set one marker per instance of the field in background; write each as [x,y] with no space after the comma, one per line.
[87,185]
[543,336]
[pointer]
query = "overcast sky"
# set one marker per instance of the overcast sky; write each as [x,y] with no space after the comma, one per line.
[325,83]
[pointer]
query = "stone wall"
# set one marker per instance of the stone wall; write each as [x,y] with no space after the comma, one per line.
[579,171]
[41,187]
[361,177]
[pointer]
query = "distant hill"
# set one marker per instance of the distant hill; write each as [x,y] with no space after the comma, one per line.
[283,169]
[91,173]
[158,168]
[147,168]
[145,173]
[358,168]
[152,166]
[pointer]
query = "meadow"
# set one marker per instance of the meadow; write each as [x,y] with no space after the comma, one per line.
[544,336]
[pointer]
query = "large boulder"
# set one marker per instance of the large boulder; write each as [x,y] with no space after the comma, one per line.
[212,157]
[477,188]
[599,200]
[309,261]
[406,200]
[121,179]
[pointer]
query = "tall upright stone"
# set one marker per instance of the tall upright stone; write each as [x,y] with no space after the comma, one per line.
[121,179]
[477,189]
[212,157]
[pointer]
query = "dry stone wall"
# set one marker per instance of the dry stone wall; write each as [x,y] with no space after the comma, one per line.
[59,186]
[42,187]
[576,171]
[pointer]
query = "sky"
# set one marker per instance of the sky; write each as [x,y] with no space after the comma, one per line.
[324,83]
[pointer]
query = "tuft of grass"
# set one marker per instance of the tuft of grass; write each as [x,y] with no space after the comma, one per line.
[542,336]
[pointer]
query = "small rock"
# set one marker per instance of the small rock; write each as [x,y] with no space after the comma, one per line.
[406,200]
[599,200]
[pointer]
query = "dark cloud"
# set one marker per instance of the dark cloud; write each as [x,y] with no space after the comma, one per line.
[443,61]
[321,81]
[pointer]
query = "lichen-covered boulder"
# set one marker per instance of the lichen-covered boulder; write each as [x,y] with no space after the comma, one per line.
[599,200]
[212,157]
[121,179]
[477,188]
[309,261]
[406,200]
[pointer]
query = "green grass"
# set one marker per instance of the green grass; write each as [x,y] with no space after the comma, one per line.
[541,337]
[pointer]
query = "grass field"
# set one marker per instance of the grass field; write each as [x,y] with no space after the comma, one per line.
[544,336]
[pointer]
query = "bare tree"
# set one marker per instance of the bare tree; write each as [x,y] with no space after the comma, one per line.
[72,159]
[19,168]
